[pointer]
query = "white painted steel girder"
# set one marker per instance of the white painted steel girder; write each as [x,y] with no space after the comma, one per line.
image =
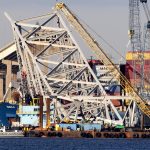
[56,67]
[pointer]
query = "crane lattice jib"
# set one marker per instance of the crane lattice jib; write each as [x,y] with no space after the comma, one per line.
[102,56]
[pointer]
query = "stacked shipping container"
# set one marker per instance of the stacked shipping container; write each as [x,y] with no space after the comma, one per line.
[134,62]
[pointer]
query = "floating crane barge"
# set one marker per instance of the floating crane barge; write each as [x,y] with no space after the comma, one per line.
[56,71]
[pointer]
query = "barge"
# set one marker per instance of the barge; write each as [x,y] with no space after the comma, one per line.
[85,134]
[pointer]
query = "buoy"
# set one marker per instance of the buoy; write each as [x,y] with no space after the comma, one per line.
[53,133]
[59,134]
[106,135]
[83,134]
[98,134]
[135,135]
[148,135]
[49,134]
[116,136]
[122,135]
[111,135]
[89,135]
[144,136]
[32,134]
[41,134]
[36,135]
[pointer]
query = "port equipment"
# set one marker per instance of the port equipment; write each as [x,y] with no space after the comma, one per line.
[136,47]
[136,43]
[146,9]
[57,69]
[146,36]
[139,45]
[134,25]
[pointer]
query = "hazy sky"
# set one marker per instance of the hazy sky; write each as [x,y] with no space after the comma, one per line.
[109,18]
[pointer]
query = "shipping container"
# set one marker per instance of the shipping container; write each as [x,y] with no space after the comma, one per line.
[94,126]
[133,68]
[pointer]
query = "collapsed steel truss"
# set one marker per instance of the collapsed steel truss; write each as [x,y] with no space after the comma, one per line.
[56,68]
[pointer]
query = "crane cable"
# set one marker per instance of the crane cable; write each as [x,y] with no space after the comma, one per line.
[98,35]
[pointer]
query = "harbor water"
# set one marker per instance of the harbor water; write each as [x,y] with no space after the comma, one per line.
[73,144]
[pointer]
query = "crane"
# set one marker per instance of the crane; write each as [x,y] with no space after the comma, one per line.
[146,37]
[146,9]
[134,25]
[136,43]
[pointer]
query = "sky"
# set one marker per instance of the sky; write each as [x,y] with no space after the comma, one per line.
[109,18]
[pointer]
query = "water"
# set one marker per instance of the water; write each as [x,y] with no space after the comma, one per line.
[73,144]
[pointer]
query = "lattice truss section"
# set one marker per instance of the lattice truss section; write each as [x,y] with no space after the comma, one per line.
[56,68]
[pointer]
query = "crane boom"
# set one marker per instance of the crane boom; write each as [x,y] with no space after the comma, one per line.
[146,33]
[146,9]
[101,55]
